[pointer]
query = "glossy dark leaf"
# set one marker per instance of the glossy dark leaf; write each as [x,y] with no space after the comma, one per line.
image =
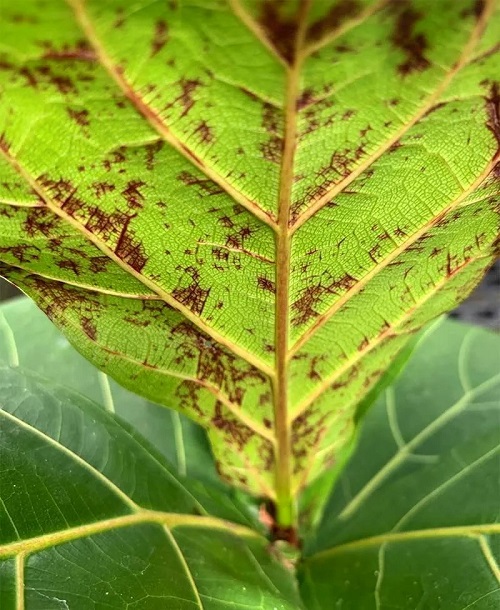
[91,517]
[413,521]
[29,340]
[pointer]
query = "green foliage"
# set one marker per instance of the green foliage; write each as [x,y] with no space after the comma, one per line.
[244,210]
[410,523]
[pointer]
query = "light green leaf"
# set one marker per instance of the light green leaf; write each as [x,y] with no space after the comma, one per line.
[90,517]
[413,520]
[242,209]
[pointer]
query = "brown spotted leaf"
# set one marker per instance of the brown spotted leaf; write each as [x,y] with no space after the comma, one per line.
[242,209]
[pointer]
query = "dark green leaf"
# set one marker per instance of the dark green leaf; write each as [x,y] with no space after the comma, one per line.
[90,517]
[28,339]
[413,520]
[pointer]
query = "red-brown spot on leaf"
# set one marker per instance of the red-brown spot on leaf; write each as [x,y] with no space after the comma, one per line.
[81,51]
[192,296]
[204,132]
[281,30]
[336,16]
[405,37]
[160,37]
[266,284]
[493,109]
[89,328]
[132,194]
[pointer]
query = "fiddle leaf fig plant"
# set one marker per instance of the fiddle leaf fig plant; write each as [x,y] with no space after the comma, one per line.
[241,213]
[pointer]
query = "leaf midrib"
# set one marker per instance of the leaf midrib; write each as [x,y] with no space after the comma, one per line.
[171,520]
[469,531]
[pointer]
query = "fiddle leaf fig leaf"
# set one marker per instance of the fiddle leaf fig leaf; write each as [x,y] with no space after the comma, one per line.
[242,209]
[91,517]
[413,519]
[25,333]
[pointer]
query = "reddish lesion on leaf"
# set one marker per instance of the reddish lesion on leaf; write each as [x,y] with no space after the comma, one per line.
[160,37]
[192,296]
[80,51]
[406,38]
[336,16]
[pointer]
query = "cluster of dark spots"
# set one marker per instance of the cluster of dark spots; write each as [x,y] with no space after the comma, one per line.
[62,192]
[102,188]
[304,308]
[238,433]
[46,74]
[192,296]
[205,186]
[57,299]
[69,264]
[279,29]
[306,98]
[98,264]
[226,222]
[133,195]
[306,435]
[185,98]
[151,151]
[80,51]
[237,239]
[215,367]
[266,284]
[272,149]
[23,253]
[493,110]
[313,372]
[266,455]
[117,157]
[89,328]
[204,132]
[81,118]
[312,114]
[160,37]
[40,221]
[336,16]
[476,10]
[404,37]
[114,227]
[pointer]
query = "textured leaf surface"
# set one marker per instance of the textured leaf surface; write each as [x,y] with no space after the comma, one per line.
[243,208]
[90,517]
[413,521]
[25,334]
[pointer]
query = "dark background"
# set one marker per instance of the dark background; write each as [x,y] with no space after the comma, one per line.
[482,307]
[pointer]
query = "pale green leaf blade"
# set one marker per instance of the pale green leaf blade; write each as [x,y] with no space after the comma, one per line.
[296,187]
[413,520]
[84,498]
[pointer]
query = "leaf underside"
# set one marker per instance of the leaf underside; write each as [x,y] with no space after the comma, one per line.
[242,209]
